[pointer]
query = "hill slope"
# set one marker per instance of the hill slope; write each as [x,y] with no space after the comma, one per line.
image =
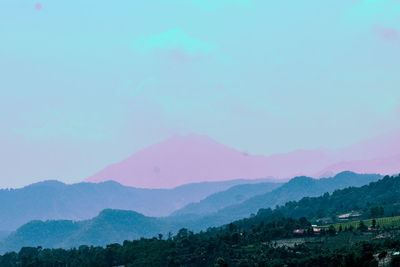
[384,193]
[115,225]
[109,226]
[55,200]
[293,190]
[234,195]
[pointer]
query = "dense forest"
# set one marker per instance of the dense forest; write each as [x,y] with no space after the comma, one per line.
[269,238]
[294,190]
[115,226]
[381,198]
[243,243]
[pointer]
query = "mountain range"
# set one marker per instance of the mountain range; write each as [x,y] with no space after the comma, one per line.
[293,190]
[198,158]
[234,195]
[112,226]
[53,200]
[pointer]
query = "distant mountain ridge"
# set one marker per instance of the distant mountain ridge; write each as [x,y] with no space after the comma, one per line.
[194,158]
[115,225]
[390,165]
[55,200]
[293,190]
[234,195]
[109,226]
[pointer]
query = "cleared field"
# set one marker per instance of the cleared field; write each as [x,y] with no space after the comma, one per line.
[386,222]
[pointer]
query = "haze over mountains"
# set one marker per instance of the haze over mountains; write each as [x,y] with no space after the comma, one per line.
[55,200]
[293,190]
[200,182]
[234,195]
[112,226]
[197,158]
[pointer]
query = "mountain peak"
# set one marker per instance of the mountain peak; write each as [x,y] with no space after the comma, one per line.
[180,160]
[193,158]
[49,183]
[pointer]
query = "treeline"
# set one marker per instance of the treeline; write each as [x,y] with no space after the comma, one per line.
[231,245]
[378,199]
[247,242]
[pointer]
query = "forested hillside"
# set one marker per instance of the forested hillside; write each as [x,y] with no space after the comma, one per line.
[115,226]
[383,194]
[293,190]
[234,195]
[53,200]
[258,241]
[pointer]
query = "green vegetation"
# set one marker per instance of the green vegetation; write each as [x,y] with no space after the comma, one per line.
[257,241]
[51,200]
[386,222]
[115,226]
[278,237]
[294,190]
[384,194]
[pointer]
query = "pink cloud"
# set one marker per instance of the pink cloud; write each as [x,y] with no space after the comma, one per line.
[38,6]
[180,56]
[387,33]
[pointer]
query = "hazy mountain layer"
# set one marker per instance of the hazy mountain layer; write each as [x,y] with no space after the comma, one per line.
[55,200]
[234,195]
[293,190]
[115,226]
[197,158]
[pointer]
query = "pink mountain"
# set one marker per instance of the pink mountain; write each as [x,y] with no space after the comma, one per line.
[386,166]
[380,154]
[198,158]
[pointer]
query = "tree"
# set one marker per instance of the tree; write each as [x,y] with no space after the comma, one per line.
[377,212]
[395,261]
[332,230]
[182,233]
[220,262]
[362,227]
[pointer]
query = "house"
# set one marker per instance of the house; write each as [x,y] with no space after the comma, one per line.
[350,215]
[299,231]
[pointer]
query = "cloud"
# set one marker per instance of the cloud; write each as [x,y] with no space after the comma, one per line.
[172,40]
[387,33]
[382,12]
[381,17]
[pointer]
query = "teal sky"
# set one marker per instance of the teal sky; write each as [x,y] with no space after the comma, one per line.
[87,83]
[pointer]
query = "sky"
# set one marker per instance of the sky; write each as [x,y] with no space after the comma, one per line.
[87,83]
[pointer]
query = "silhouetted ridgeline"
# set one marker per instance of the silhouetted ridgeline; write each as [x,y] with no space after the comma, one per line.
[262,240]
[55,200]
[234,195]
[116,226]
[295,189]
